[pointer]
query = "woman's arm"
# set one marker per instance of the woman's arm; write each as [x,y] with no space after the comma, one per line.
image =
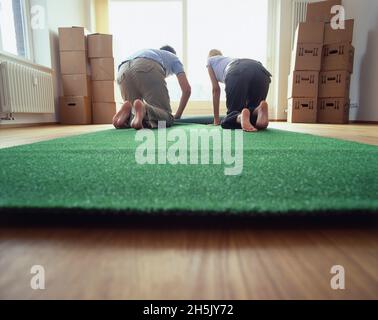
[186,92]
[216,95]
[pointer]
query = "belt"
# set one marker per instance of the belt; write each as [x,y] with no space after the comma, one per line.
[124,62]
[258,63]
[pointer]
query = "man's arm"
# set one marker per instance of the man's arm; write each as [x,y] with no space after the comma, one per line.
[216,95]
[186,93]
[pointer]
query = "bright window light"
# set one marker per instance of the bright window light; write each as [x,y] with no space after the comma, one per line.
[238,28]
[138,25]
[7,27]
[13,29]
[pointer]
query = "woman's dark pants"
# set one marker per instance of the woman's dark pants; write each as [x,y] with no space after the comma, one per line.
[247,85]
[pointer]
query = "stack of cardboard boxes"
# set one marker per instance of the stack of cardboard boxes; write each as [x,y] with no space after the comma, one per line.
[75,105]
[89,89]
[319,83]
[100,49]
[304,75]
[337,67]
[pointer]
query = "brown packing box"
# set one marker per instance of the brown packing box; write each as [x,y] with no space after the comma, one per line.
[76,85]
[307,57]
[339,56]
[100,46]
[333,110]
[72,39]
[334,84]
[74,62]
[339,35]
[75,110]
[103,112]
[310,32]
[102,69]
[302,110]
[103,91]
[321,11]
[303,84]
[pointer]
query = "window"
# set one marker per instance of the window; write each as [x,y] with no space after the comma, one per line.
[14,28]
[138,25]
[238,28]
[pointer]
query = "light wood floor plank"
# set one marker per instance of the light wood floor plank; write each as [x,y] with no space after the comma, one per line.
[187,263]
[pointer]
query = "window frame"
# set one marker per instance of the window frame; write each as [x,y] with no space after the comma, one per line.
[271,47]
[184,16]
[28,35]
[1,41]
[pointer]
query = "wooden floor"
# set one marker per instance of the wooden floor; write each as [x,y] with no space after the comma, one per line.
[229,262]
[361,133]
[10,137]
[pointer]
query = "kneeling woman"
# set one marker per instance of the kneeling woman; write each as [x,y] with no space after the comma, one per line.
[247,86]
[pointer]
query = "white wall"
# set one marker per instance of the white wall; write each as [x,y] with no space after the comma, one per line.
[364,93]
[364,88]
[65,13]
[58,13]
[283,57]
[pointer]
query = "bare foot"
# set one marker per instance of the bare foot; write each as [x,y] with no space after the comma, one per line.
[140,112]
[245,121]
[262,116]
[122,116]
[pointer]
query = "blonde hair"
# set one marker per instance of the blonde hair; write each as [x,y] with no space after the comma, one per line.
[214,53]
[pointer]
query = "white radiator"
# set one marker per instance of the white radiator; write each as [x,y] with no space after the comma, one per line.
[25,88]
[299,12]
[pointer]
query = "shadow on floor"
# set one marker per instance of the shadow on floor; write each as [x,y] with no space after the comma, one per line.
[184,220]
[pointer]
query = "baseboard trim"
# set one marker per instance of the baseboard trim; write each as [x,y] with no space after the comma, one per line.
[26,125]
[44,124]
[364,122]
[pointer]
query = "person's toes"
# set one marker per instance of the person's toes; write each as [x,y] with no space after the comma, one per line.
[123,115]
[263,116]
[246,122]
[250,129]
[115,124]
[139,108]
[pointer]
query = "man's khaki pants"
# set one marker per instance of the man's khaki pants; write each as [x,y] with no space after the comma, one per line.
[144,79]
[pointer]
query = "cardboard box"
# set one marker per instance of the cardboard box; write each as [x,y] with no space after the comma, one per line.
[302,110]
[334,111]
[332,36]
[74,62]
[303,84]
[338,57]
[321,11]
[103,112]
[102,69]
[307,57]
[100,46]
[310,32]
[72,39]
[76,85]
[334,84]
[75,110]
[103,91]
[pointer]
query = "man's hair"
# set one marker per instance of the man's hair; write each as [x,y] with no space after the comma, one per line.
[214,53]
[169,49]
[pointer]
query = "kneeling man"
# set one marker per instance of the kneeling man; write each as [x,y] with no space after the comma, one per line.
[141,79]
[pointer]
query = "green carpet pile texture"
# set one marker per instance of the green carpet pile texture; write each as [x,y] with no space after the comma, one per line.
[284,173]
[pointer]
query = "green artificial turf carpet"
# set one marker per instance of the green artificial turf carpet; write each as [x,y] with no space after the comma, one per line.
[284,173]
